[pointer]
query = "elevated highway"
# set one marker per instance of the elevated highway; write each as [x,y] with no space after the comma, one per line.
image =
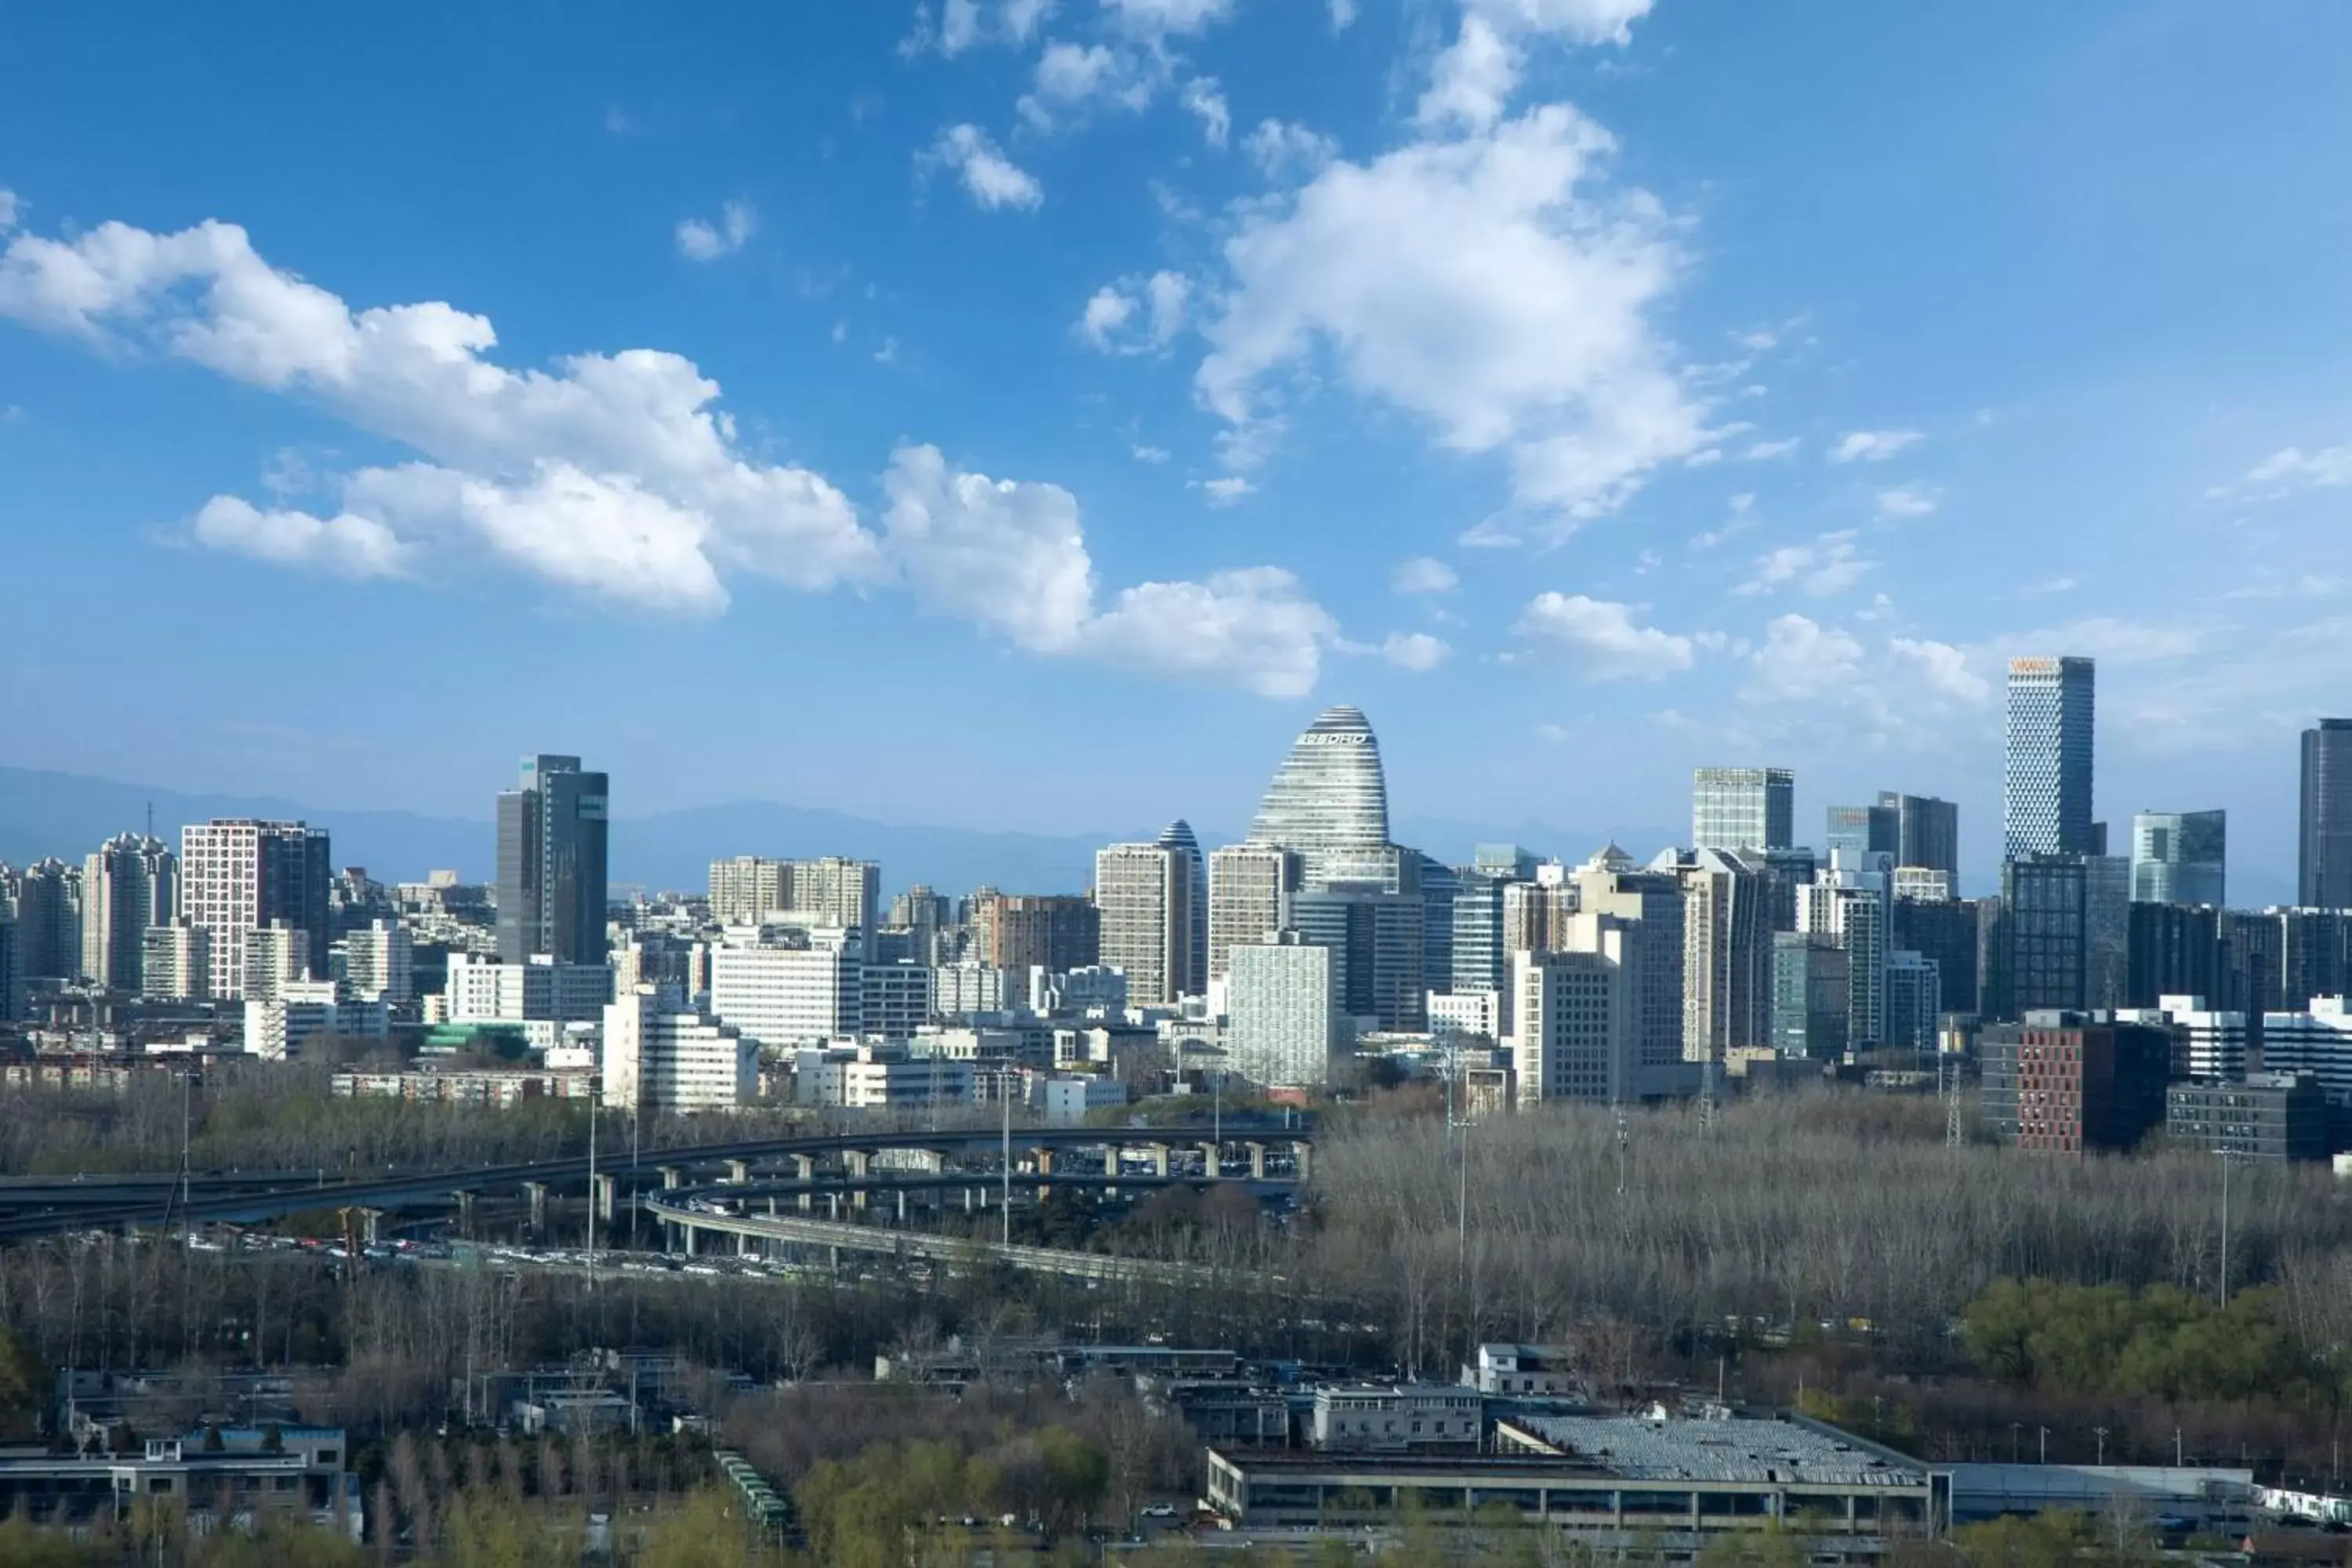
[844,1164]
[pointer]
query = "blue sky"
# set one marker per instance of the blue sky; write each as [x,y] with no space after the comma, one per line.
[1028,414]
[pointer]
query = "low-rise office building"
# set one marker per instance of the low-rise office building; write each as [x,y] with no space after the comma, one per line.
[1611,1483]
[215,1473]
[1396,1415]
[2266,1117]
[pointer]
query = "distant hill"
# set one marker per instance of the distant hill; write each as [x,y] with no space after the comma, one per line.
[69,815]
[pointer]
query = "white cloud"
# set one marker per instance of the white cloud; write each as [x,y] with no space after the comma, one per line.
[1830,564]
[615,476]
[2283,471]
[1071,77]
[1415,651]
[9,207]
[1944,669]
[1760,451]
[1424,575]
[1801,660]
[700,241]
[1149,454]
[2047,585]
[1228,490]
[1011,557]
[1201,99]
[343,545]
[603,443]
[989,177]
[1005,555]
[1872,446]
[1599,639]
[963,25]
[1905,501]
[1155,307]
[959,26]
[1479,283]
[1473,78]
[1252,628]
[1154,19]
[1021,18]
[1343,15]
[1286,149]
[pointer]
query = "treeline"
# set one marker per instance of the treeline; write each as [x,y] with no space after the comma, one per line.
[2158,1343]
[1791,1210]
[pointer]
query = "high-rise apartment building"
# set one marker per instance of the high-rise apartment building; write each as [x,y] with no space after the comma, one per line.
[1144,896]
[2180,857]
[379,963]
[1178,835]
[1481,960]
[1020,931]
[239,876]
[1812,996]
[1248,885]
[1329,801]
[49,896]
[1283,1024]
[131,883]
[175,962]
[2324,845]
[554,832]
[2045,803]
[1743,809]
[1850,904]
[1727,925]
[746,889]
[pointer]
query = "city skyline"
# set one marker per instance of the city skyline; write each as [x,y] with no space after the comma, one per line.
[1874,459]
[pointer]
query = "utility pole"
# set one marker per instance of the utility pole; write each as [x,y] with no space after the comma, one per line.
[2225,1227]
[2101,1433]
[1005,1093]
[595,1109]
[1623,1137]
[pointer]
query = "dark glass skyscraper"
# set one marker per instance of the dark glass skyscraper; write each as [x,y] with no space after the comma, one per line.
[2326,858]
[1926,832]
[2046,800]
[551,863]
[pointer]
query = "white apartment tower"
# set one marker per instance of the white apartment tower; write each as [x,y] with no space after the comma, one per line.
[1575,1016]
[239,876]
[792,991]
[132,883]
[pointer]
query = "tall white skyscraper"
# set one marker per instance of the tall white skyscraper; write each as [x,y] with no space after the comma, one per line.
[2045,799]
[659,1057]
[1743,809]
[1329,800]
[239,876]
[1144,892]
[132,883]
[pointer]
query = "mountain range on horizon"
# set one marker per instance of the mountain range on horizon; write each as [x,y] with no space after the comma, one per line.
[67,814]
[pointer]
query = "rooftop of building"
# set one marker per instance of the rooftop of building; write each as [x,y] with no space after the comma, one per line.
[1722,1449]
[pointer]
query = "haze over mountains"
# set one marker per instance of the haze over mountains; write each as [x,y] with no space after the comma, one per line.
[69,815]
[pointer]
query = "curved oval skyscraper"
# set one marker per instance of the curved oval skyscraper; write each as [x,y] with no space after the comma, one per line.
[1329,801]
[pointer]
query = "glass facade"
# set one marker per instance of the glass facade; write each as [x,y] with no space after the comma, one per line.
[1329,798]
[2045,803]
[2180,857]
[2325,858]
[1743,809]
